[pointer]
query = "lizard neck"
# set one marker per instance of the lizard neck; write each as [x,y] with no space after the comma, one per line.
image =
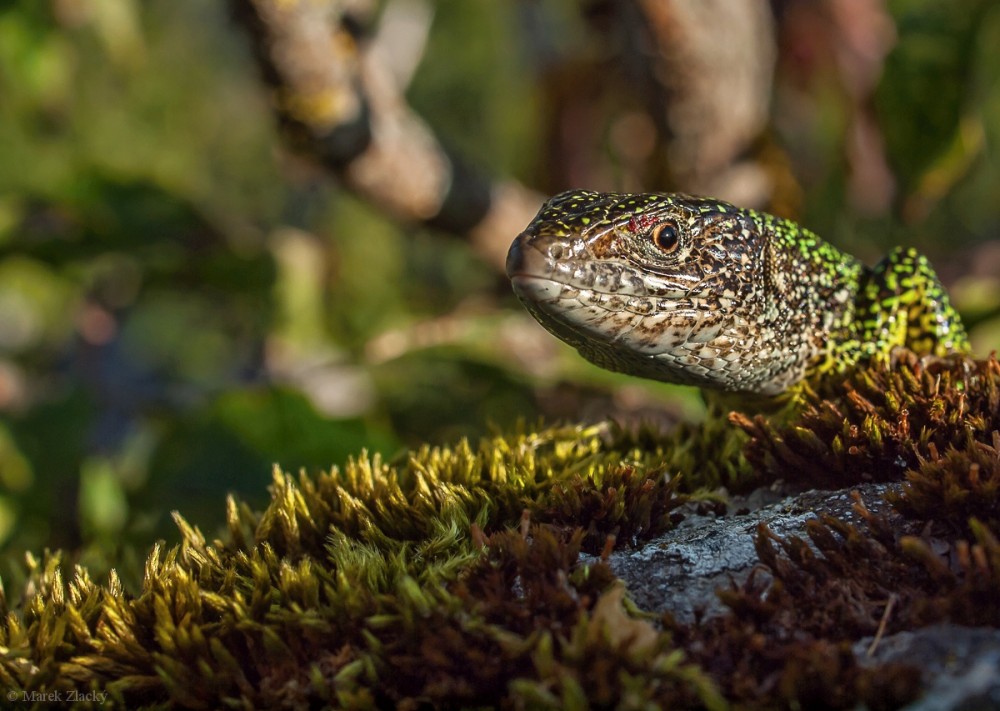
[811,291]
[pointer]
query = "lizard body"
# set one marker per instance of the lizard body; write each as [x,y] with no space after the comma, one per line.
[698,291]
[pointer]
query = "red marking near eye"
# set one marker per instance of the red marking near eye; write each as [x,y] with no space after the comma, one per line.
[641,222]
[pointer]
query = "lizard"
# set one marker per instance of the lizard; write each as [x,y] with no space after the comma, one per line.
[698,291]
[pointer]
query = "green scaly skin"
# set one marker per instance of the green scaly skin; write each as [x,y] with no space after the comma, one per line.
[697,291]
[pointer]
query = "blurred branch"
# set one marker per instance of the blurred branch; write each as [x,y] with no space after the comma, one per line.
[842,45]
[401,38]
[676,94]
[715,91]
[339,102]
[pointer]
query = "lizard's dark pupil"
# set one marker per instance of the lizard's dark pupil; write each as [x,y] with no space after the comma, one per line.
[665,236]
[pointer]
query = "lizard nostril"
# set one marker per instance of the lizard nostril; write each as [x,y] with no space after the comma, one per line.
[556,252]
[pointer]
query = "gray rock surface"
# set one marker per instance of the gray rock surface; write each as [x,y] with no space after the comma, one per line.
[961,665]
[680,570]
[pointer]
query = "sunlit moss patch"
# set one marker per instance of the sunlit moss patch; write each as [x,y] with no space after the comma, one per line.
[455,577]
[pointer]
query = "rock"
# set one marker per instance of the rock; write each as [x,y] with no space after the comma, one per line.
[960,665]
[680,570]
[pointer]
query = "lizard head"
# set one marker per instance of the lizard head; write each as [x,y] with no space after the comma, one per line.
[661,286]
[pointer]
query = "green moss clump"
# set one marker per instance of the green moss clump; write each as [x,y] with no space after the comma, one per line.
[706,455]
[294,606]
[529,626]
[455,577]
[957,485]
[880,422]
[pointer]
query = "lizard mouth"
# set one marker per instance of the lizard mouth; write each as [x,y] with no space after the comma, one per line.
[548,289]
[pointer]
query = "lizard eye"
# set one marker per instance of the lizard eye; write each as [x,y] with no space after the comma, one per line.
[665,236]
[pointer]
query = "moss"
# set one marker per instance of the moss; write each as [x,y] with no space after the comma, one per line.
[703,455]
[880,422]
[292,605]
[454,577]
[956,486]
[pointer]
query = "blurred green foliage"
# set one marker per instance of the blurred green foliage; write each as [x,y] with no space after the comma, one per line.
[182,305]
[155,256]
[927,82]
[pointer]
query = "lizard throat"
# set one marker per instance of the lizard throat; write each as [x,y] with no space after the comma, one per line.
[680,338]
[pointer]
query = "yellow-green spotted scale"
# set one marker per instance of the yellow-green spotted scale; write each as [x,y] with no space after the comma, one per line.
[698,291]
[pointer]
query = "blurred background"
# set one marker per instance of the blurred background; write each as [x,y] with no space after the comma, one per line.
[192,291]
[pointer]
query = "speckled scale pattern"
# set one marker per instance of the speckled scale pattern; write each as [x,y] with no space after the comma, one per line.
[698,291]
